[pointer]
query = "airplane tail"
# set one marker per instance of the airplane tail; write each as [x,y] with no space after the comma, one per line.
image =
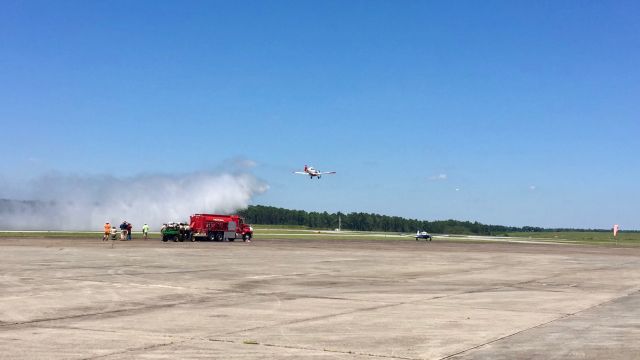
[305,168]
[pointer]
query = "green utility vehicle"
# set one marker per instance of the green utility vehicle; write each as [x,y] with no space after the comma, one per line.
[175,231]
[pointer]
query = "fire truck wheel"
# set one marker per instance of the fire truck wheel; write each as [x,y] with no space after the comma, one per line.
[192,238]
[164,238]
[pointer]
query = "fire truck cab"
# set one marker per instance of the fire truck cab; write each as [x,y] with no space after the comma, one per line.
[216,227]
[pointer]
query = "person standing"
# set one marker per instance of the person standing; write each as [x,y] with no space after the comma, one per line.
[107,231]
[145,231]
[123,231]
[129,227]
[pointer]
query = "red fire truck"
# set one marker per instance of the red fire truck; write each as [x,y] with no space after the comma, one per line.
[220,227]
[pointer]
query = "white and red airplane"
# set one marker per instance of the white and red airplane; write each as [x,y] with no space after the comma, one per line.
[309,170]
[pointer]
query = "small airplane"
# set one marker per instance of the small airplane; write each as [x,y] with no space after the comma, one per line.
[309,170]
[422,235]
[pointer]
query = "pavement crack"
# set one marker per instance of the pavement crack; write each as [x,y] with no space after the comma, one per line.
[308,348]
[316,318]
[110,313]
[141,348]
[139,273]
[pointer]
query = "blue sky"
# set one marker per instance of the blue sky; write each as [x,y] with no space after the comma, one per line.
[504,112]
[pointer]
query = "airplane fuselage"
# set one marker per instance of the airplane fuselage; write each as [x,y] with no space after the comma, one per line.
[309,170]
[312,172]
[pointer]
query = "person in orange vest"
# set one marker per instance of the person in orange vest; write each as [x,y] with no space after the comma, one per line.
[107,231]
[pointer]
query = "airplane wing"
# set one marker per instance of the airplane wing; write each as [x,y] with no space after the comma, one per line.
[328,172]
[300,172]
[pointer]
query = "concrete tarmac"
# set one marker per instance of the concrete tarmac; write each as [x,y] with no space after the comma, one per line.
[316,299]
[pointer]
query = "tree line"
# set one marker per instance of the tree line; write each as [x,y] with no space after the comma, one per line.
[269,215]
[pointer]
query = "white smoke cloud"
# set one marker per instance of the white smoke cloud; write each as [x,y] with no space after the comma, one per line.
[439,177]
[85,203]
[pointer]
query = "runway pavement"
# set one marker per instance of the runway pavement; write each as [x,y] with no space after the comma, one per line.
[316,299]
